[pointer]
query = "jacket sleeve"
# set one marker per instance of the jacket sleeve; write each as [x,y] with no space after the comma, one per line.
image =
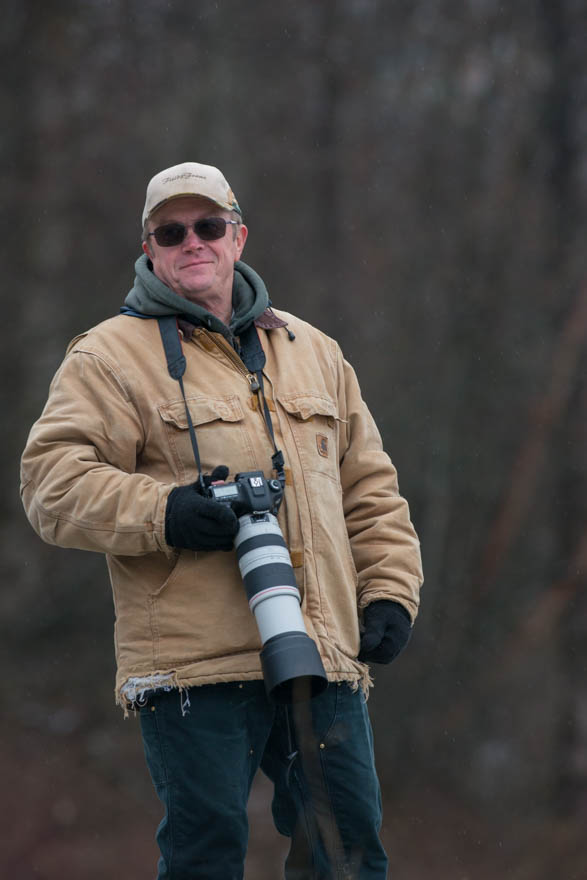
[79,484]
[384,544]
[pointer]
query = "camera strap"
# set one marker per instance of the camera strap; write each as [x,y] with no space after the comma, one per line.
[176,364]
[253,357]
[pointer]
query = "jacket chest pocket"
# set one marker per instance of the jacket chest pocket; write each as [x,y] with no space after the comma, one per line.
[314,423]
[221,435]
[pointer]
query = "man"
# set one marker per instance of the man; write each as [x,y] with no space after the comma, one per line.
[112,466]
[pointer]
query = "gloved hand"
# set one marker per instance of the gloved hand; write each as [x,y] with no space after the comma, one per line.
[193,522]
[387,631]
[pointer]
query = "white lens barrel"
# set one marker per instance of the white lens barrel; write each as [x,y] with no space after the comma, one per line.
[251,526]
[277,614]
[263,556]
[292,667]
[268,575]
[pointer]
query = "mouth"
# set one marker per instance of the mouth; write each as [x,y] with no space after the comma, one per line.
[195,263]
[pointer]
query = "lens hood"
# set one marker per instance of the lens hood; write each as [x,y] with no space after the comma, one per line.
[292,668]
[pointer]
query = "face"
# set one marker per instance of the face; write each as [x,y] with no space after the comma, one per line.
[201,271]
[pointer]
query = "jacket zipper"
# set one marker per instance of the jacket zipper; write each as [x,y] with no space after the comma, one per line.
[237,361]
[254,386]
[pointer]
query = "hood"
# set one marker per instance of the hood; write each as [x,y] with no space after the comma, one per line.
[152,298]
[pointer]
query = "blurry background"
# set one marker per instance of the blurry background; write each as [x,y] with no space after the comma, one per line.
[414,176]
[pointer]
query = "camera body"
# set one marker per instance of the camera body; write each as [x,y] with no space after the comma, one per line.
[250,493]
[292,667]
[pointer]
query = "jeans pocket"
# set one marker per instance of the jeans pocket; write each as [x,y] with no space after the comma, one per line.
[349,715]
[314,719]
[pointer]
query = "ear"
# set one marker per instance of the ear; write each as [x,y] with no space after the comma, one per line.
[241,238]
[147,250]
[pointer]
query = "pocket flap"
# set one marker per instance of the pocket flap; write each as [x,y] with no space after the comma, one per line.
[202,410]
[305,405]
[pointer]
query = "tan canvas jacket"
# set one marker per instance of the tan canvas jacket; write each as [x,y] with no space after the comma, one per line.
[112,442]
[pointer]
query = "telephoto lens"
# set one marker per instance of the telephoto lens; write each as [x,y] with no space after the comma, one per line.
[292,667]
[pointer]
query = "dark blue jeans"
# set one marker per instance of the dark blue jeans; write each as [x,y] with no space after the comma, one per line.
[318,754]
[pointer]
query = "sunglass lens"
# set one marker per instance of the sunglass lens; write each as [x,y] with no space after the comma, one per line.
[170,235]
[210,228]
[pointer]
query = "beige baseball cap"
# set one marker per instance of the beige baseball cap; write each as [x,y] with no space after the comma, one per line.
[189,179]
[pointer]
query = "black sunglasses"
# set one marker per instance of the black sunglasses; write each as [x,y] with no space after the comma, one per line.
[208,229]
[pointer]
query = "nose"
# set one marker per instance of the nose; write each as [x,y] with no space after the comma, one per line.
[191,240]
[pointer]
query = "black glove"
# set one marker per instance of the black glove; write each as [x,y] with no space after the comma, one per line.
[387,631]
[193,522]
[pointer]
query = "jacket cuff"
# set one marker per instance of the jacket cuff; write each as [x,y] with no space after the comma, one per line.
[369,596]
[159,523]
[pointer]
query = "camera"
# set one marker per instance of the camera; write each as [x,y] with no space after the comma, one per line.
[292,667]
